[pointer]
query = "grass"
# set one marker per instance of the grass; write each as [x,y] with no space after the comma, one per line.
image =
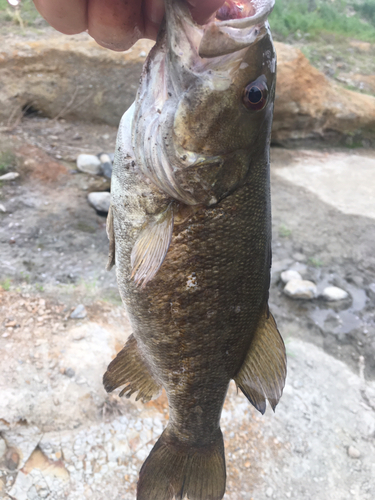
[26,14]
[284,231]
[5,284]
[315,262]
[7,160]
[310,18]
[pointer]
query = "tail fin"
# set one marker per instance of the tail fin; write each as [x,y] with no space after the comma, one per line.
[176,470]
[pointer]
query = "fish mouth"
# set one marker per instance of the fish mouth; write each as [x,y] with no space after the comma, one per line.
[235,25]
[236,10]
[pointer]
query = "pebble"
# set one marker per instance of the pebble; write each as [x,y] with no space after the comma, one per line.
[2,208]
[69,372]
[289,275]
[3,447]
[106,164]
[353,452]
[10,176]
[79,312]
[300,289]
[79,335]
[100,201]
[269,492]
[300,257]
[333,293]
[89,164]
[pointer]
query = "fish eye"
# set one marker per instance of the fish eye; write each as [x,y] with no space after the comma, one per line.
[254,96]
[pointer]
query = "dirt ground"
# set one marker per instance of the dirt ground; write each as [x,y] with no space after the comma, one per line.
[63,437]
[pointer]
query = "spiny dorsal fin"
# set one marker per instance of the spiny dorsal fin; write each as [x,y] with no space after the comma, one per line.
[111,237]
[262,374]
[129,368]
[151,247]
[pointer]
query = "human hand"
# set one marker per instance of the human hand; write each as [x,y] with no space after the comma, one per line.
[116,24]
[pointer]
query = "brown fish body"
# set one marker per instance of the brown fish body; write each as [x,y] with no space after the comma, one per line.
[202,259]
[194,321]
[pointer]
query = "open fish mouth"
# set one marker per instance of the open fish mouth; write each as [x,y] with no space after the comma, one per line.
[241,10]
[236,25]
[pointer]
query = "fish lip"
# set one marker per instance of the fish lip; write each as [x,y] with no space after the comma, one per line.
[225,36]
[262,10]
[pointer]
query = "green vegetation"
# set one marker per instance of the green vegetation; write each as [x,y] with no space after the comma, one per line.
[25,14]
[284,232]
[7,160]
[310,18]
[5,284]
[39,287]
[315,262]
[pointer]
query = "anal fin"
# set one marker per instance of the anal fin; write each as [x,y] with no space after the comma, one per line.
[262,374]
[128,368]
[151,247]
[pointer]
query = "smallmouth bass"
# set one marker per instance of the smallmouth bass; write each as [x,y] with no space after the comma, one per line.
[190,233]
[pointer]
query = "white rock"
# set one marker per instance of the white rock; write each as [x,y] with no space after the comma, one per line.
[334,293]
[300,289]
[90,164]
[10,176]
[269,492]
[2,208]
[289,275]
[100,201]
[353,452]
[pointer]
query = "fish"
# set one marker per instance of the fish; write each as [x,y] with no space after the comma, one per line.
[189,231]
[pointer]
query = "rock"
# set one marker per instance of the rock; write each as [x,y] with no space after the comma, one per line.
[12,459]
[2,208]
[90,164]
[333,293]
[69,372]
[309,105]
[79,312]
[299,257]
[300,289]
[100,201]
[269,492]
[289,275]
[106,164]
[10,176]
[353,452]
[3,447]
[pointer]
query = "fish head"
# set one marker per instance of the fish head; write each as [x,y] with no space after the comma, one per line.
[204,109]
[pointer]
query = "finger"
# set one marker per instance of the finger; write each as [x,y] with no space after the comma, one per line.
[153,13]
[115,24]
[69,16]
[203,10]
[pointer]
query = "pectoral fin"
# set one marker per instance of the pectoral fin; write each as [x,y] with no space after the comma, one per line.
[262,375]
[111,237]
[129,369]
[151,247]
